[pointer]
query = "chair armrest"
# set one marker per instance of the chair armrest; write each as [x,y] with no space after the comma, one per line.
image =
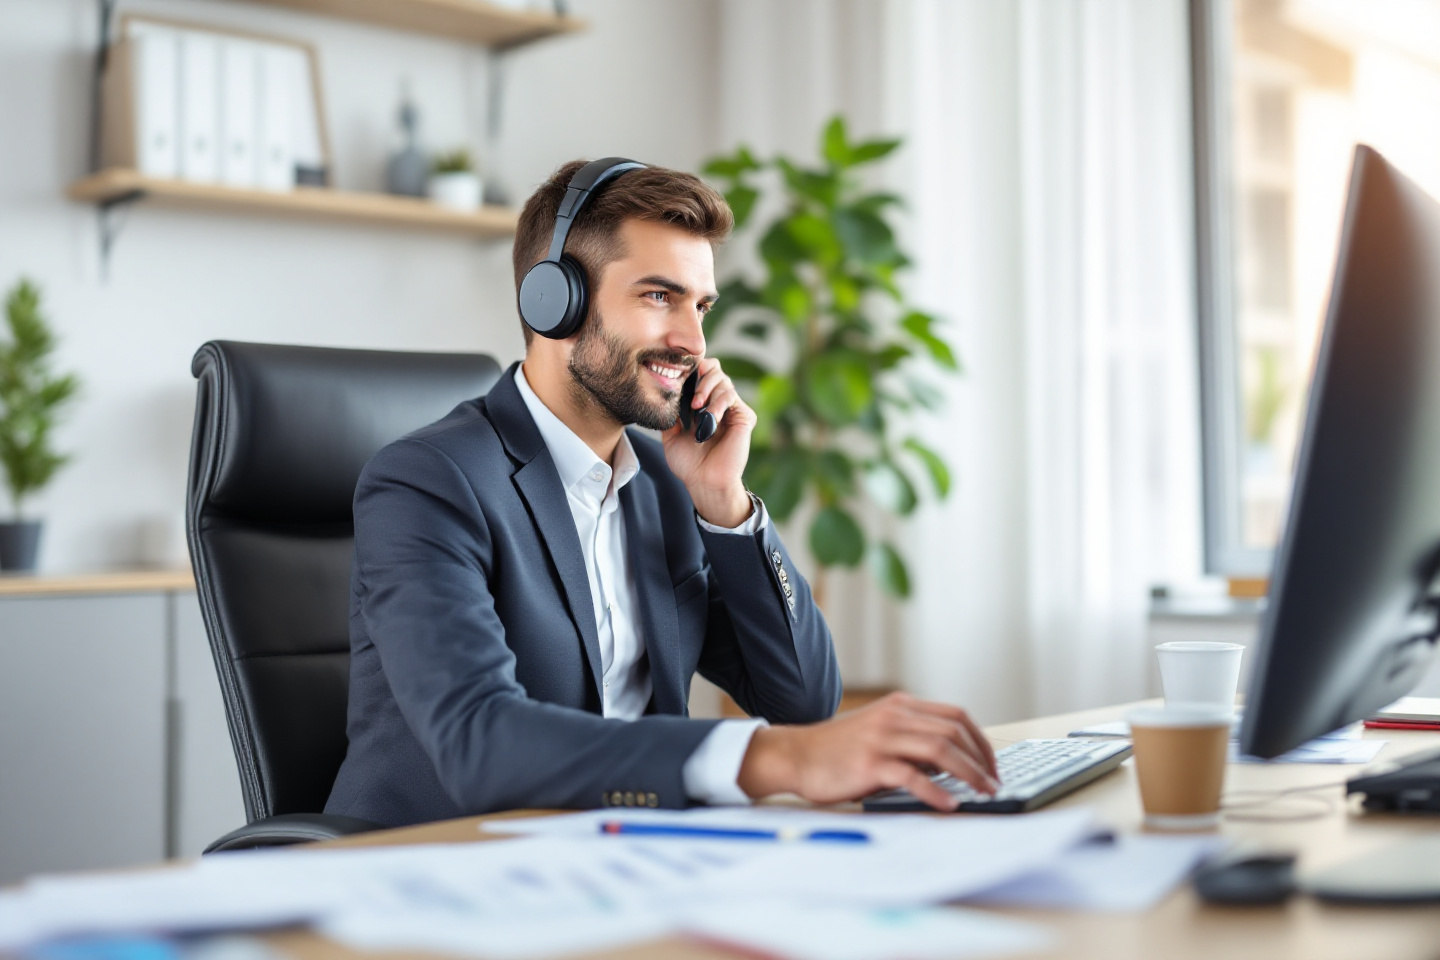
[287,828]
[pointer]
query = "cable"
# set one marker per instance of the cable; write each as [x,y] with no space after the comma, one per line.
[1253,810]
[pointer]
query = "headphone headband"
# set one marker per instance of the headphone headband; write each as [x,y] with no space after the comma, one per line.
[587,180]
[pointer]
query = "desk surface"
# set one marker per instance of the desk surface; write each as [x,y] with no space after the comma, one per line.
[100,581]
[1178,929]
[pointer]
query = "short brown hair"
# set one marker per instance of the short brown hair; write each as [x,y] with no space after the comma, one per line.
[657,194]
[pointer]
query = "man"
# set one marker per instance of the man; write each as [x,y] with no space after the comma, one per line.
[534,584]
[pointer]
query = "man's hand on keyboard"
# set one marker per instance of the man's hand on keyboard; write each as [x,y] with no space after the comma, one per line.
[896,741]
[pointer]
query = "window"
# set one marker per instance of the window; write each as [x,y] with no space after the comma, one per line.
[1283,91]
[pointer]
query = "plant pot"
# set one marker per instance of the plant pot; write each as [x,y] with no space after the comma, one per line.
[19,543]
[457,191]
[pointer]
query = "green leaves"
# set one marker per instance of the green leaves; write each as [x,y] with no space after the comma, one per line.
[889,570]
[30,396]
[865,236]
[919,325]
[836,364]
[777,475]
[840,154]
[741,199]
[737,164]
[838,386]
[836,539]
[939,473]
[889,487]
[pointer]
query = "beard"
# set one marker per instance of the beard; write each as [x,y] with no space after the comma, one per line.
[607,375]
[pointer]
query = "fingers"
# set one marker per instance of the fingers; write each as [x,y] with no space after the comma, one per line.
[941,754]
[900,775]
[715,392]
[710,376]
[957,734]
[956,715]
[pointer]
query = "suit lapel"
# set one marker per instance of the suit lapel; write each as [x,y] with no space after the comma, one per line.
[538,483]
[646,542]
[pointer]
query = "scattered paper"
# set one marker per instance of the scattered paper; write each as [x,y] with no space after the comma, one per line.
[840,933]
[1127,874]
[951,858]
[1319,751]
[1338,746]
[567,889]
[1116,728]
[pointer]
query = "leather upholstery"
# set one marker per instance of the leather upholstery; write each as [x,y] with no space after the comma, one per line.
[281,434]
[287,828]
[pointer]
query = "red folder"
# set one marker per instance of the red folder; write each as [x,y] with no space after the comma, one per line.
[1401,725]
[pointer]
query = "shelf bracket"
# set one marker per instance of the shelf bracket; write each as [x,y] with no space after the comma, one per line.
[113,214]
[106,10]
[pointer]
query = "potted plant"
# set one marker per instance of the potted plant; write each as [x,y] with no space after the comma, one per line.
[31,398]
[847,360]
[454,182]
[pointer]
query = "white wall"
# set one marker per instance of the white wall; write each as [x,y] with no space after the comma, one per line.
[641,82]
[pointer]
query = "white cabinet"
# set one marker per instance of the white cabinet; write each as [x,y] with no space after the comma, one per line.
[208,802]
[113,745]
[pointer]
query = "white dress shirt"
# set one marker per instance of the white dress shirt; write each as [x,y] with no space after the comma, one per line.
[593,491]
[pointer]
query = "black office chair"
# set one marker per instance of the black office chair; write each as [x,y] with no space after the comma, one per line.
[281,434]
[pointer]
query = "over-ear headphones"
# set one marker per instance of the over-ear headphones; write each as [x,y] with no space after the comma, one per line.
[554,296]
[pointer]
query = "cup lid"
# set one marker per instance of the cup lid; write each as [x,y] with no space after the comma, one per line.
[1197,646]
[1181,715]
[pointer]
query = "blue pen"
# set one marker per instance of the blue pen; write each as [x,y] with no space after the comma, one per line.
[614,827]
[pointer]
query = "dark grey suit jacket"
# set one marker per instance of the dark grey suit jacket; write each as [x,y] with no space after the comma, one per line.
[475,662]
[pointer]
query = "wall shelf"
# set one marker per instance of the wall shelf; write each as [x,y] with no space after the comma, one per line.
[118,186]
[475,21]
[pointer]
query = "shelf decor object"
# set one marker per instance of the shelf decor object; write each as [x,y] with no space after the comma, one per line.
[114,186]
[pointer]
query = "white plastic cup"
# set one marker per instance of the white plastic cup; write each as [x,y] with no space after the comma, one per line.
[1199,671]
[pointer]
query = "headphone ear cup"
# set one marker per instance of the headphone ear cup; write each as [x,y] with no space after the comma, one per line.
[553,298]
[578,307]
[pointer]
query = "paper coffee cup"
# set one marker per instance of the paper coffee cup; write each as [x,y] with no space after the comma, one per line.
[1180,754]
[1197,671]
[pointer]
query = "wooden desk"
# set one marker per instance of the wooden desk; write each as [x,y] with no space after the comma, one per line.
[1181,927]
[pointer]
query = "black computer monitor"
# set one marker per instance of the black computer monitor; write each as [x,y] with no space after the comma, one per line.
[1352,620]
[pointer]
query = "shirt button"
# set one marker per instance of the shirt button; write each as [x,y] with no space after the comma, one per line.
[597,474]
[607,684]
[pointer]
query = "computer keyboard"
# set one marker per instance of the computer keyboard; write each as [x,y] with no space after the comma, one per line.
[1032,773]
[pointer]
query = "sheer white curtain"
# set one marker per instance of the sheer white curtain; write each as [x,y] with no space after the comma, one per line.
[1054,135]
[1047,169]
[1111,377]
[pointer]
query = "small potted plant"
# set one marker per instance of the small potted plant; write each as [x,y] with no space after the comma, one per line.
[454,182]
[31,398]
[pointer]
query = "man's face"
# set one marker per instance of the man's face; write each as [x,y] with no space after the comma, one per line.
[643,336]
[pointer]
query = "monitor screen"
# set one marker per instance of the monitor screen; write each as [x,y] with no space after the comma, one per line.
[1351,623]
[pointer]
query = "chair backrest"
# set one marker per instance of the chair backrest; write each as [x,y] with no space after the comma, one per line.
[281,434]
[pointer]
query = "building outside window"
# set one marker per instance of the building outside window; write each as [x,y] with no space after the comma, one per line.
[1284,89]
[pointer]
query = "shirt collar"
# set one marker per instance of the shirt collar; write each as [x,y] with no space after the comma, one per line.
[574,460]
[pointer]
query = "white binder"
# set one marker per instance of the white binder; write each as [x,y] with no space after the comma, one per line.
[199,106]
[276,167]
[306,148]
[154,138]
[239,85]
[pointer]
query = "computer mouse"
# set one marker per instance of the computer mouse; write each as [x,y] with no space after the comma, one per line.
[1254,878]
